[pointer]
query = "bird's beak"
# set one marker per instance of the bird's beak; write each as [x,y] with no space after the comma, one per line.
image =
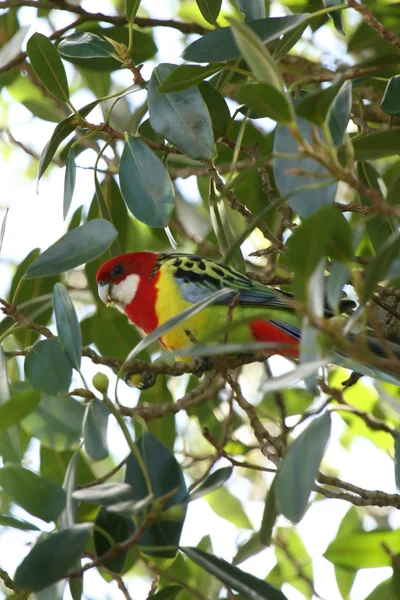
[104,290]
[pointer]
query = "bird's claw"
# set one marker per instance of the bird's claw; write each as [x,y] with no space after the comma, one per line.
[141,381]
[202,364]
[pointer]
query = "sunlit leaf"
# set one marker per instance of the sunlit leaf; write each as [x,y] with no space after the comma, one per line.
[85,45]
[48,66]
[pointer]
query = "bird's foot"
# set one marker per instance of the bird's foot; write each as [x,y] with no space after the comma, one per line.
[141,381]
[202,364]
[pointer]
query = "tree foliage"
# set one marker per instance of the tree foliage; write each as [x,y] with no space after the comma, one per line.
[294,155]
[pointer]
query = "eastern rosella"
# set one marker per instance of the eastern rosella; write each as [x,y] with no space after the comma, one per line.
[151,288]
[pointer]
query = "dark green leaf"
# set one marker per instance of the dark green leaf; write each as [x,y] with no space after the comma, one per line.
[296,475]
[339,276]
[209,9]
[185,76]
[377,144]
[57,422]
[10,445]
[364,549]
[95,430]
[145,184]
[397,461]
[181,117]
[339,113]
[305,193]
[325,233]
[270,515]
[250,548]
[8,521]
[85,45]
[257,56]
[69,515]
[105,494]
[211,483]
[288,40]
[52,558]
[165,476]
[130,507]
[69,181]
[62,131]
[244,583]
[217,107]
[47,368]
[119,529]
[391,98]
[48,66]
[15,409]
[69,331]
[37,495]
[252,9]
[377,270]
[219,45]
[131,8]
[335,15]
[267,101]
[315,106]
[77,247]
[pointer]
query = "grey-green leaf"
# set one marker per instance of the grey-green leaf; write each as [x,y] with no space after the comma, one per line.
[95,429]
[105,494]
[69,181]
[131,8]
[77,247]
[68,328]
[379,267]
[267,101]
[185,76]
[18,407]
[211,483]
[84,44]
[47,64]
[51,559]
[391,98]
[37,495]
[145,184]
[296,476]
[209,9]
[47,368]
[249,586]
[181,117]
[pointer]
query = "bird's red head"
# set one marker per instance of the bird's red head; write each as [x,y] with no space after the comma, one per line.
[119,278]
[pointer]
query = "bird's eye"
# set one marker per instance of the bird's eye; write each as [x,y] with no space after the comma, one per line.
[101,283]
[117,270]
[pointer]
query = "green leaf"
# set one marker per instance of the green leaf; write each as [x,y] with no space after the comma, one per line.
[267,101]
[270,515]
[8,521]
[51,559]
[47,368]
[339,276]
[181,117]
[290,551]
[185,76]
[61,131]
[56,422]
[105,494]
[339,113]
[325,233]
[228,507]
[252,9]
[377,144]
[378,268]
[305,193]
[251,587]
[217,107]
[257,56]
[70,513]
[85,45]
[69,181]
[37,495]
[15,409]
[131,8]
[77,247]
[335,15]
[169,592]
[130,507]
[315,106]
[296,475]
[220,45]
[390,102]
[397,461]
[211,483]
[47,64]
[165,476]
[145,184]
[288,40]
[10,445]
[364,550]
[69,331]
[95,430]
[209,9]
[119,529]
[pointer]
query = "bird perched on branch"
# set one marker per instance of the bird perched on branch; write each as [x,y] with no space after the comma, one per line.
[152,288]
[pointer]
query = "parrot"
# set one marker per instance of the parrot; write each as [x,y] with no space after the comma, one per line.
[154,287]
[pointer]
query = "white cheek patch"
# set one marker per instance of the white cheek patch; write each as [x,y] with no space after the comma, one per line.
[124,292]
